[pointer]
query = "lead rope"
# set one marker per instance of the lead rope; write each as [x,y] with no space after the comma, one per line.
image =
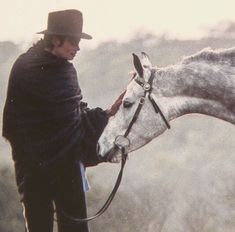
[108,201]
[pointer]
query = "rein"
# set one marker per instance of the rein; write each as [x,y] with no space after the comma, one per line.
[108,201]
[121,142]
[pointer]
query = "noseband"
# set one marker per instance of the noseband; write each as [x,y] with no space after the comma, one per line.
[147,86]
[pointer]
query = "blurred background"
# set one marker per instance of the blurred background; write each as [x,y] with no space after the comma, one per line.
[183,180]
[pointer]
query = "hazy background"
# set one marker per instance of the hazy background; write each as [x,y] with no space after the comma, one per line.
[183,180]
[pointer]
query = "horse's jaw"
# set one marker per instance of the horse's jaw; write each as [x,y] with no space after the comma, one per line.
[109,153]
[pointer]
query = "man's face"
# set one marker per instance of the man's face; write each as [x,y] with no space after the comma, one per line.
[68,49]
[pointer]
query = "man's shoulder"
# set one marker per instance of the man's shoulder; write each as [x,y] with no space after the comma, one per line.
[42,60]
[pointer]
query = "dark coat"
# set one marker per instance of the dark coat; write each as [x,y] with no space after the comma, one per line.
[41,117]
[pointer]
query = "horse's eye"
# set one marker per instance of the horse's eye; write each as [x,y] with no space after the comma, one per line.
[127,104]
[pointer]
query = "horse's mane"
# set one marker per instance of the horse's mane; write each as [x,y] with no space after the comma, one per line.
[208,55]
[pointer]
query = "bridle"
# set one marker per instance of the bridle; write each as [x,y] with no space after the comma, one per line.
[122,142]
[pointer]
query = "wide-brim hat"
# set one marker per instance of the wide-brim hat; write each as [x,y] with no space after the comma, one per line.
[65,23]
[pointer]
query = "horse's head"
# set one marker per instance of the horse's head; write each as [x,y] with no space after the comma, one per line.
[136,122]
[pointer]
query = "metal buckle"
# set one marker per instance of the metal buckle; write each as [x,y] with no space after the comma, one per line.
[121,142]
[147,86]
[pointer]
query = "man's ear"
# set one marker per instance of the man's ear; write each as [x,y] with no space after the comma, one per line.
[56,42]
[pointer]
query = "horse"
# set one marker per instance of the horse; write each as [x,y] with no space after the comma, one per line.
[202,83]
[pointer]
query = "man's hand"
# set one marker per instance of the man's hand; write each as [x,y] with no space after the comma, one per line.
[114,108]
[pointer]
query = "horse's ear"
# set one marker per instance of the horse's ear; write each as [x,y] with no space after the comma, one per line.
[145,60]
[138,65]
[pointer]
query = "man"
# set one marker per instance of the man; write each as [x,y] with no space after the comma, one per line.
[42,121]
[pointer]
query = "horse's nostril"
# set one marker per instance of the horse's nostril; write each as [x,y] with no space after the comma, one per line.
[97,148]
[100,158]
[98,152]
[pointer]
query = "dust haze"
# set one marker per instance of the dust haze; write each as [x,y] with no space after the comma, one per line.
[182,181]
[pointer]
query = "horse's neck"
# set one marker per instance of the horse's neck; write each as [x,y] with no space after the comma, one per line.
[198,88]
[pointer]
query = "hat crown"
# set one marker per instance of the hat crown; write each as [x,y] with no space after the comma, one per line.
[67,23]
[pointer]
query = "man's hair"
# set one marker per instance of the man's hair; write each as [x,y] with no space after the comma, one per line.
[48,40]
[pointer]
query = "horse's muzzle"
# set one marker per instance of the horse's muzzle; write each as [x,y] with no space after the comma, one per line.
[120,145]
[100,157]
[106,157]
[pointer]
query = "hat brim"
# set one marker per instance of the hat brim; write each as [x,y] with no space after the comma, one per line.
[86,36]
[82,35]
